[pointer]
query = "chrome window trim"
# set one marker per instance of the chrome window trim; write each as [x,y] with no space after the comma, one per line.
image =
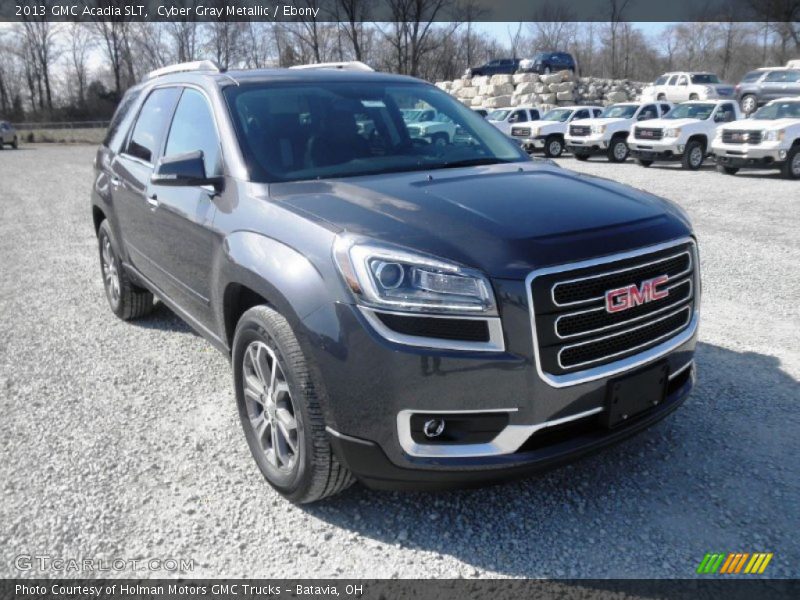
[625,364]
[622,323]
[496,341]
[686,309]
[507,441]
[598,298]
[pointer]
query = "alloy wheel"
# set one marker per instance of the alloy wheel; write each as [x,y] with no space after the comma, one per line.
[696,156]
[620,151]
[555,148]
[796,165]
[748,104]
[270,409]
[110,271]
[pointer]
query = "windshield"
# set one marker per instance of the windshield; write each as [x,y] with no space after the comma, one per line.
[661,80]
[541,56]
[705,78]
[291,132]
[752,76]
[779,110]
[691,111]
[415,116]
[557,114]
[621,111]
[498,115]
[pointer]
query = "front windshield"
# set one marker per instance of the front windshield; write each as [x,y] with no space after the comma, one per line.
[779,110]
[541,56]
[292,132]
[415,116]
[619,111]
[705,78]
[691,111]
[557,114]
[498,115]
[661,80]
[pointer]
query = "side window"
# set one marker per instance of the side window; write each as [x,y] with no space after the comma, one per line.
[683,80]
[518,117]
[774,76]
[648,112]
[598,112]
[665,108]
[672,80]
[534,115]
[581,114]
[151,125]
[121,121]
[193,129]
[725,114]
[792,76]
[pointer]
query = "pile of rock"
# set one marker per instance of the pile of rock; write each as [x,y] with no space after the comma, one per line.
[552,89]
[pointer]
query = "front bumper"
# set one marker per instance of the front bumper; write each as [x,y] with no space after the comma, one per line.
[592,144]
[764,155]
[655,151]
[371,465]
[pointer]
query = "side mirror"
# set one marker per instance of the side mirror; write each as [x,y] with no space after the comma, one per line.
[187,169]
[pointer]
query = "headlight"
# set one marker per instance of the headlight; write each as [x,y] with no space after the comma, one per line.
[672,133]
[386,276]
[776,135]
[599,129]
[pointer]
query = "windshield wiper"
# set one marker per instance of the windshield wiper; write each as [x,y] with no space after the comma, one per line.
[471,162]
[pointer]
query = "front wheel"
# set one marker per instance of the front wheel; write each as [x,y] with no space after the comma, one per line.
[748,104]
[553,146]
[618,150]
[791,168]
[279,407]
[127,300]
[727,170]
[693,156]
[694,97]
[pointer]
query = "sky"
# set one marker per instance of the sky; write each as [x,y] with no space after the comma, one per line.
[500,30]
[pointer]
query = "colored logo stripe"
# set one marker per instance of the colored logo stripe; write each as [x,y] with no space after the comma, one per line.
[734,563]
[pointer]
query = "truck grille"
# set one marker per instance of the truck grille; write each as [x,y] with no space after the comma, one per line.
[575,331]
[734,136]
[579,130]
[648,133]
[521,131]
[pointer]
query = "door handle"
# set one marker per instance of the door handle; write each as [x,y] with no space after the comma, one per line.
[152,200]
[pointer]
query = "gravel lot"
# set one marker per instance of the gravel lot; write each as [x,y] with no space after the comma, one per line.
[122,440]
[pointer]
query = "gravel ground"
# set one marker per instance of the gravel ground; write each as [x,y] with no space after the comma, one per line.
[122,440]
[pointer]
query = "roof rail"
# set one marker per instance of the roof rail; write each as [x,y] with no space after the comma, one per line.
[351,65]
[197,65]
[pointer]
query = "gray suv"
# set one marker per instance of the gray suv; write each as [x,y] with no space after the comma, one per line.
[763,85]
[397,311]
[8,135]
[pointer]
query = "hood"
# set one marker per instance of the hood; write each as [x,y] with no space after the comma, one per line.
[549,126]
[668,123]
[503,219]
[601,121]
[759,124]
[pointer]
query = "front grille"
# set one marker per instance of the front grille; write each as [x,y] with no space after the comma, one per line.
[521,131]
[465,330]
[574,329]
[733,136]
[648,133]
[579,130]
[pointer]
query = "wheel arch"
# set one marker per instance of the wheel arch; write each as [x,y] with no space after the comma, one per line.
[699,137]
[98,216]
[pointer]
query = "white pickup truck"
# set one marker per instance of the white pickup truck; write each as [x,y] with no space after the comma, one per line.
[683,85]
[608,133]
[770,139]
[548,133]
[429,125]
[684,134]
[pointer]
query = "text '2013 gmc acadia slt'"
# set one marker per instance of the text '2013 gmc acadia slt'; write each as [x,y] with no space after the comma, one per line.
[404,313]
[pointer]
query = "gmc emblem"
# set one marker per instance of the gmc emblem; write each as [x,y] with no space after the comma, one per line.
[633,295]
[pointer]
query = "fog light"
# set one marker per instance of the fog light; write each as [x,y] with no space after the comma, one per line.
[681,148]
[782,154]
[433,428]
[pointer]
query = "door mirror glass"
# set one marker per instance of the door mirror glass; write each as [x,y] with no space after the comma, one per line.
[187,169]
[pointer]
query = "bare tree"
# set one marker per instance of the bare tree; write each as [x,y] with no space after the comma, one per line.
[81,43]
[617,8]
[356,13]
[40,40]
[257,42]
[411,30]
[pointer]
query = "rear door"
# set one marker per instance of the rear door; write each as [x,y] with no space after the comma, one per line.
[130,179]
[773,85]
[680,92]
[182,217]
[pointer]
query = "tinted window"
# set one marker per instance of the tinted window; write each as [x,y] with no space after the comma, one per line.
[725,113]
[752,76]
[775,76]
[534,114]
[792,76]
[665,108]
[648,112]
[582,114]
[121,121]
[193,129]
[705,78]
[779,110]
[152,123]
[672,80]
[661,80]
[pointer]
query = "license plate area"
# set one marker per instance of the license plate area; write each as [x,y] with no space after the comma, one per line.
[632,394]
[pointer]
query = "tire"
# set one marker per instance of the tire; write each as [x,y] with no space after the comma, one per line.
[15,143]
[693,155]
[615,151]
[727,170]
[126,300]
[791,166]
[748,104]
[644,162]
[310,471]
[440,140]
[580,156]
[661,98]
[553,146]
[693,97]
